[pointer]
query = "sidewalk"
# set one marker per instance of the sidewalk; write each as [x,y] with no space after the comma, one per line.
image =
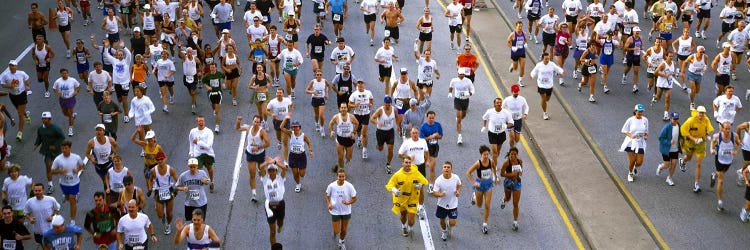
[602,212]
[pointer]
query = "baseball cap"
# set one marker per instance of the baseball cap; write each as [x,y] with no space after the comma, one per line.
[639,107]
[413,102]
[404,70]
[701,109]
[340,39]
[160,156]
[387,99]
[147,6]
[46,114]
[272,166]
[99,126]
[296,124]
[670,9]
[13,62]
[150,134]
[136,29]
[182,20]
[515,88]
[58,220]
[192,161]
[726,45]
[225,31]
[675,115]
[636,28]
[290,13]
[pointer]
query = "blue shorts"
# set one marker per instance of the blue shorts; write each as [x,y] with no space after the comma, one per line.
[512,185]
[259,158]
[291,72]
[607,60]
[666,36]
[484,185]
[441,213]
[222,26]
[694,77]
[517,125]
[82,68]
[70,190]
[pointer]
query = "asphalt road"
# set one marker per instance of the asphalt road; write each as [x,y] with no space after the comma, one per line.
[684,219]
[240,223]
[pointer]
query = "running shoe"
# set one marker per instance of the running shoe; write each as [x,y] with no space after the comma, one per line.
[666,116]
[234,102]
[624,79]
[743,215]
[630,177]
[19,136]
[171,99]
[683,165]
[165,109]
[606,89]
[126,119]
[453,46]
[460,139]
[485,230]
[713,179]
[658,169]
[278,145]
[298,188]
[364,153]
[579,85]
[696,188]
[293,96]
[473,199]
[692,106]
[635,171]
[740,178]
[697,34]
[50,189]
[388,168]
[747,94]
[515,226]
[70,131]
[429,189]
[510,69]
[720,205]
[635,89]
[254,198]
[192,109]
[46,94]
[67,54]
[28,116]
[545,116]
[421,213]
[211,187]
[703,34]
[535,40]
[520,82]
[168,229]
[575,74]
[734,76]
[502,204]
[342,246]
[404,231]
[444,235]
[359,141]
[216,128]
[669,181]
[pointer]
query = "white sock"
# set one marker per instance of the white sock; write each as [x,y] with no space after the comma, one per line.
[253,192]
[49,183]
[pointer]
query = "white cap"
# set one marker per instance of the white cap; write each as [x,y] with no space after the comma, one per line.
[150,134]
[225,31]
[192,161]
[290,13]
[726,45]
[272,166]
[636,28]
[99,126]
[404,70]
[46,114]
[13,62]
[147,6]
[58,220]
[136,29]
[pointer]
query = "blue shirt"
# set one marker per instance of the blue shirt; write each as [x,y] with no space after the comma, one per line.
[427,130]
[62,240]
[337,6]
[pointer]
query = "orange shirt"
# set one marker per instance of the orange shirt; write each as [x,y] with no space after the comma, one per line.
[468,61]
[139,72]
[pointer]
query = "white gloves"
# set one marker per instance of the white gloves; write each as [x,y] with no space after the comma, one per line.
[716,113]
[483,129]
[268,209]
[419,185]
[450,95]
[395,191]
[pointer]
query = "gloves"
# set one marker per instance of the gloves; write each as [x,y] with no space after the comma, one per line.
[716,114]
[268,209]
[450,95]
[419,185]
[395,191]
[525,45]
[483,129]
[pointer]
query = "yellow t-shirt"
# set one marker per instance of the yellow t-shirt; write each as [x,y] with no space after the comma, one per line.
[406,182]
[695,127]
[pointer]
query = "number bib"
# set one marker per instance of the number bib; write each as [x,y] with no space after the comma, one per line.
[486,174]
[516,115]
[608,50]
[463,94]
[426,29]
[297,149]
[9,244]
[344,89]
[288,37]
[399,103]
[627,30]
[258,59]
[107,118]
[387,33]
[261,97]
[592,69]
[499,128]
[274,51]
[318,49]
[81,59]
[134,239]
[516,168]
[190,79]
[336,17]
[432,141]
[194,195]
[165,194]
[14,200]
[70,178]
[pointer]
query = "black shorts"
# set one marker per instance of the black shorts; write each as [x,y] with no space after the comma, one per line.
[159,18]
[434,149]
[726,27]
[277,125]
[258,158]
[42,69]
[633,61]
[369,18]
[333,18]
[214,97]
[543,91]
[384,71]
[421,84]
[548,39]
[655,18]
[533,18]
[165,83]
[455,28]
[102,169]
[640,151]
[63,29]
[704,13]
[515,58]
[746,155]
[682,58]
[650,75]
[344,141]
[278,209]
[317,57]
[722,80]
[467,12]
[747,197]
[421,169]
[18,100]
[120,91]
[720,167]
[394,32]
[317,102]
[517,125]
[298,160]
[687,18]
[571,19]
[442,213]
[461,104]
[149,32]
[738,55]
[189,212]
[364,120]
[190,86]
[384,136]
[670,156]
[38,237]
[496,139]
[425,37]
[205,161]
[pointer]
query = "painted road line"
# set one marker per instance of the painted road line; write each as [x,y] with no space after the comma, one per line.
[237,166]
[534,160]
[21,56]
[600,155]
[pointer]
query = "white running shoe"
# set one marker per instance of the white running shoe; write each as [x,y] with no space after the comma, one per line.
[485,230]
[740,178]
[171,99]
[444,235]
[46,94]
[298,188]
[460,139]
[606,89]
[669,181]
[720,205]
[520,82]
[658,169]
[743,215]
[70,131]
[696,188]
[630,177]
[515,226]
[168,229]
[591,98]
[364,153]
[692,106]
[165,109]
[234,102]
[216,128]
[545,116]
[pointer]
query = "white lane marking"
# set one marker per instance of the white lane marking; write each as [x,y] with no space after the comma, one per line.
[21,56]
[426,233]
[237,165]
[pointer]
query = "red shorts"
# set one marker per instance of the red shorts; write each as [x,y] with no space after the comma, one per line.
[85,3]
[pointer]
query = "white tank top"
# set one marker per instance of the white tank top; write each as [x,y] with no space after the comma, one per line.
[655,59]
[41,55]
[254,141]
[230,60]
[115,179]
[725,149]
[403,90]
[193,11]
[665,82]
[698,65]
[204,241]
[344,128]
[319,88]
[386,119]
[274,46]
[724,64]
[148,22]
[102,151]
[189,67]
[163,182]
[746,141]
[297,143]
[111,25]
[63,17]
[155,50]
[683,45]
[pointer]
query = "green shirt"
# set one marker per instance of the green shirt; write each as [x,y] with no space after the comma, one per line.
[213,80]
[49,136]
[107,108]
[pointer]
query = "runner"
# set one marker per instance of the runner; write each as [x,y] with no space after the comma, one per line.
[704,17]
[98,81]
[653,57]
[454,12]
[722,67]
[629,26]
[64,17]
[67,89]
[69,165]
[115,180]
[42,54]
[665,82]
[343,85]
[14,192]
[727,24]
[292,59]
[191,182]
[427,67]
[298,142]
[213,81]
[665,25]
[519,111]
[197,234]
[544,71]
[315,48]
[742,130]
[688,10]
[101,222]
[81,57]
[162,182]
[280,108]
[141,109]
[385,57]
[517,44]
[431,131]
[633,49]
[273,181]
[202,141]
[588,66]
[406,186]
[384,118]
[292,26]
[190,66]
[636,134]
[684,46]
[230,66]
[49,137]
[424,26]
[361,102]
[39,210]
[340,195]
[670,145]
[468,5]
[131,229]
[15,231]
[338,10]
[695,130]
[36,23]
[164,70]
[486,171]
[99,151]
[273,42]
[131,192]
[318,89]
[111,25]
[549,24]
[724,145]
[416,151]
[738,38]
[62,236]
[512,170]
[726,106]
[222,16]
[18,83]
[255,152]
[496,121]
[463,88]
[696,65]
[344,132]
[467,60]
[405,91]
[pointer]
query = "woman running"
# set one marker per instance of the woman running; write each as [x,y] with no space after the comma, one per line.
[486,178]
[319,89]
[636,134]
[512,170]
[259,84]
[230,65]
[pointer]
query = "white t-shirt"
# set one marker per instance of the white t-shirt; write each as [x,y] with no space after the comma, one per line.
[739,38]
[249,16]
[99,81]
[544,74]
[341,56]
[256,32]
[630,16]
[455,11]
[165,66]
[279,108]
[426,69]
[497,121]
[21,76]
[596,9]
[386,55]
[41,210]
[16,190]
[727,107]
[134,230]
[602,28]
[462,88]
[363,98]
[370,7]
[67,87]
[338,194]
[68,164]
[571,7]
[517,106]
[449,201]
[548,23]
[273,189]
[414,148]
[728,14]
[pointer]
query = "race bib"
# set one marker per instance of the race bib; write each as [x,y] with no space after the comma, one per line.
[214,83]
[321,6]
[258,59]
[261,97]
[193,195]
[684,50]
[592,69]
[426,29]
[118,186]
[345,130]
[297,149]
[627,30]
[165,194]
[81,59]
[9,244]
[107,118]
[344,89]
[432,141]
[608,50]
[516,168]
[399,103]
[499,128]
[318,93]
[124,10]
[486,173]
[668,27]
[387,33]
[463,94]
[69,178]
[288,37]
[364,107]
[190,79]
[134,239]
[318,49]
[519,44]
[516,115]
[14,200]
[274,51]
[336,17]
[265,19]
[724,69]
[545,80]
[467,5]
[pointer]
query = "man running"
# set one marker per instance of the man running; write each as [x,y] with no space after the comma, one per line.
[201,142]
[49,137]
[392,18]
[344,123]
[543,72]
[454,12]
[101,222]
[69,165]
[340,195]
[62,236]
[416,151]
[406,186]
[18,83]
[39,211]
[361,101]
[273,181]
[99,151]
[67,89]
[724,145]
[447,190]
[42,54]
[695,131]
[191,182]
[519,111]
[460,89]
[385,118]
[431,131]
[497,120]
[255,152]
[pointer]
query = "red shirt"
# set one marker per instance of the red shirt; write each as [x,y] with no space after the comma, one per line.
[467,61]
